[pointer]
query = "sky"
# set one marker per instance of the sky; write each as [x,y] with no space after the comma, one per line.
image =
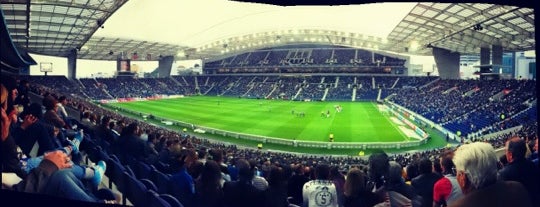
[196,22]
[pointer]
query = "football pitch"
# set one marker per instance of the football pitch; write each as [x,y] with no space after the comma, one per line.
[356,122]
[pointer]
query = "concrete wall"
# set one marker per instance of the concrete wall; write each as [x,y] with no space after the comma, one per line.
[165,66]
[72,64]
[447,63]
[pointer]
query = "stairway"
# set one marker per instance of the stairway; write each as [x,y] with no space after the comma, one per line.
[231,85]
[468,93]
[297,93]
[325,93]
[251,86]
[353,94]
[175,81]
[80,83]
[373,82]
[337,82]
[450,90]
[432,82]
[497,96]
[187,84]
[273,89]
[379,95]
[213,84]
[395,83]
[253,79]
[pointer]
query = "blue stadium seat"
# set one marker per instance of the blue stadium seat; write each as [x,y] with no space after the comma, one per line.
[149,184]
[161,180]
[142,170]
[136,191]
[172,200]
[154,200]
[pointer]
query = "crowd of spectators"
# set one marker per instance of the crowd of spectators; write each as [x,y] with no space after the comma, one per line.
[218,174]
[469,107]
[312,57]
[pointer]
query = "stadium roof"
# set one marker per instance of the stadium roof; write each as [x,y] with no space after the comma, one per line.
[59,26]
[106,48]
[56,27]
[466,27]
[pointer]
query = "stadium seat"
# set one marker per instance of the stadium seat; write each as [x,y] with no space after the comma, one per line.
[117,177]
[142,170]
[162,167]
[161,180]
[171,200]
[149,184]
[136,191]
[154,200]
[130,171]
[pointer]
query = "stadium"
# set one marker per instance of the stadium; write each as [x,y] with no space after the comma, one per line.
[213,112]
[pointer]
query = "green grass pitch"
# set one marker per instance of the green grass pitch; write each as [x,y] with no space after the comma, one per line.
[357,122]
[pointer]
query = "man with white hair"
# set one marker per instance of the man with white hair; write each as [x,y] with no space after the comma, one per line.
[476,166]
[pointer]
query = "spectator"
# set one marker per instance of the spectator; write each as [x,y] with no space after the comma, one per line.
[51,113]
[165,154]
[242,193]
[11,85]
[276,194]
[395,182]
[446,190]
[103,133]
[476,173]
[52,178]
[10,160]
[378,169]
[208,187]
[321,191]
[520,169]
[23,89]
[258,181]
[33,135]
[62,101]
[296,183]
[423,184]
[339,180]
[217,155]
[85,120]
[534,155]
[411,171]
[356,193]
[182,184]
[130,146]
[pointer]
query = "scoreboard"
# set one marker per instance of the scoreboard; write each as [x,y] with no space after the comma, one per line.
[123,67]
